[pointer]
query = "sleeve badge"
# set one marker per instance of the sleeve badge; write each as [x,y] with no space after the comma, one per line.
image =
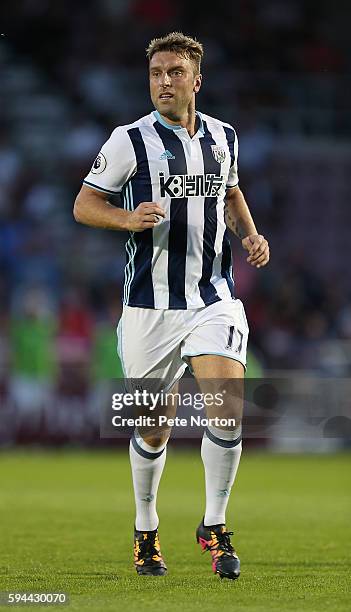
[99,164]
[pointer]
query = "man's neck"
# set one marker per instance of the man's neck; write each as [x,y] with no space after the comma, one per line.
[189,121]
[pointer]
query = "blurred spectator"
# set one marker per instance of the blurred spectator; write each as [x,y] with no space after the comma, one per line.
[32,333]
[105,360]
[74,341]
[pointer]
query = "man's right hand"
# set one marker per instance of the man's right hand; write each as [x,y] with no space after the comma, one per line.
[145,216]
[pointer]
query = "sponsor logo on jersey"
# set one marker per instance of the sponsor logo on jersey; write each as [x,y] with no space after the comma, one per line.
[167,155]
[190,185]
[99,164]
[218,153]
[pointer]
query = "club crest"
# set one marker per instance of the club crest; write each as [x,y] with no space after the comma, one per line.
[218,153]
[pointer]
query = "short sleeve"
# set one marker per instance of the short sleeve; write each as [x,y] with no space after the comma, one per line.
[232,140]
[114,164]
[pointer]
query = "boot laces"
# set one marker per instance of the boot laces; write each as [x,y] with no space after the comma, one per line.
[224,542]
[148,548]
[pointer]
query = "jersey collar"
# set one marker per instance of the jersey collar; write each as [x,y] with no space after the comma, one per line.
[179,128]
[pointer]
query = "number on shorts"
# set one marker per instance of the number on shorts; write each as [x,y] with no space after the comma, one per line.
[230,339]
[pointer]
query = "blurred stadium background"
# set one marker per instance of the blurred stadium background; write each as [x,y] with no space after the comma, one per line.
[70,72]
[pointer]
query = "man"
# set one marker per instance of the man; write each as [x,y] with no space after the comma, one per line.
[176,169]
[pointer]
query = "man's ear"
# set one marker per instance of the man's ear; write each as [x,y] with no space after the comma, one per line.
[197,84]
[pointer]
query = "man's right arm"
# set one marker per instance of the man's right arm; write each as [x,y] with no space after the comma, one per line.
[92,208]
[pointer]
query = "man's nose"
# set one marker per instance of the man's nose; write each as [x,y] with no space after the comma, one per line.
[165,80]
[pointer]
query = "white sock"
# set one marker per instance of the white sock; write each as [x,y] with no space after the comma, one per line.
[147,465]
[220,453]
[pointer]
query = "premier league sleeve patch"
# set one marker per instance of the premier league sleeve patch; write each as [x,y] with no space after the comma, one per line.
[99,164]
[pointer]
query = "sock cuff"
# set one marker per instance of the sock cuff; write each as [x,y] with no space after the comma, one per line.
[212,434]
[144,450]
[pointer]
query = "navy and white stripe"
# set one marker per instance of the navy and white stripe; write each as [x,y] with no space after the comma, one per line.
[144,453]
[221,441]
[207,289]
[185,261]
[141,289]
[178,222]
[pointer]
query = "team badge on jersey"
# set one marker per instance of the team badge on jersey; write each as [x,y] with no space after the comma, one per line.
[218,153]
[99,164]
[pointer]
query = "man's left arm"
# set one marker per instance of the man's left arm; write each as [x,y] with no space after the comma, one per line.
[239,220]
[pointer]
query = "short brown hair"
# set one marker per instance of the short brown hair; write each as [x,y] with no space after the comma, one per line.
[178,43]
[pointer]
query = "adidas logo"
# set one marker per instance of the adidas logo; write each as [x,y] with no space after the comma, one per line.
[167,155]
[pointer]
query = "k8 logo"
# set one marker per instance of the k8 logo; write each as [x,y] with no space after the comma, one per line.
[190,185]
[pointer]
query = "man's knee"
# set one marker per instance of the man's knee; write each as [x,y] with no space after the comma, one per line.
[156,439]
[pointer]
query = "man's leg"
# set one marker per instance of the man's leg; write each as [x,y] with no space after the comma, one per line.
[147,453]
[149,349]
[220,452]
[221,448]
[147,460]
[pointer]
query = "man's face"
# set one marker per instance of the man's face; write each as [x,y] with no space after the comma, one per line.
[172,83]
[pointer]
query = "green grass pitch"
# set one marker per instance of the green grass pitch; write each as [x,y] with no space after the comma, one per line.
[66,521]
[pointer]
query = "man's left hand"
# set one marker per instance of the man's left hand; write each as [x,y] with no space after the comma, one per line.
[258,249]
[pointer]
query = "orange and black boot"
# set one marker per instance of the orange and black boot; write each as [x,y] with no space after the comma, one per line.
[147,554]
[216,539]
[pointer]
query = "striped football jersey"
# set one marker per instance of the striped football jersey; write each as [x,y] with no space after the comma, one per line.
[185,261]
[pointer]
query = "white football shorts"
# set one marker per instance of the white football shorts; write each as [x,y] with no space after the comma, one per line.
[158,343]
